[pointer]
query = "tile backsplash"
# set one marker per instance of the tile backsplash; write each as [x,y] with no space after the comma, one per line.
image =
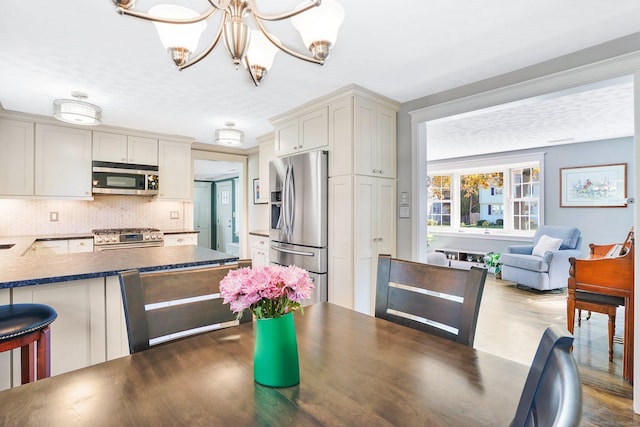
[33,217]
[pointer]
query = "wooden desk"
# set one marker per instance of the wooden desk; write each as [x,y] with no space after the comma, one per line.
[355,370]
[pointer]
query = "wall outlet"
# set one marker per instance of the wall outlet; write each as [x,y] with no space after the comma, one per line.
[53,216]
[174,214]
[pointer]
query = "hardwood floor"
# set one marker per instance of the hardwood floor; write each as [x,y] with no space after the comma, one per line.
[511,322]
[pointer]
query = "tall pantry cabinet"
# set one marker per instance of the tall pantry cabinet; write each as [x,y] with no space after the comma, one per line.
[362,194]
[358,127]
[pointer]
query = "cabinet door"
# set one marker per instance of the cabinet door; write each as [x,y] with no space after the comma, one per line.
[375,231]
[314,130]
[116,326]
[142,151]
[62,162]
[16,158]
[341,137]
[386,141]
[80,245]
[259,250]
[78,333]
[109,147]
[287,137]
[266,154]
[50,247]
[374,139]
[174,163]
[340,241]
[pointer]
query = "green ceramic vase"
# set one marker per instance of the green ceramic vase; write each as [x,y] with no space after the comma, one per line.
[275,357]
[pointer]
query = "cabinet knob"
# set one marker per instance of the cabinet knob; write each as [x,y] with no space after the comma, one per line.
[375,171]
[381,171]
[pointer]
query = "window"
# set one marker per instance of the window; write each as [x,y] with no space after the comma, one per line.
[439,200]
[496,194]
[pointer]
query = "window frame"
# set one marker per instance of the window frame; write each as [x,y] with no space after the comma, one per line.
[504,164]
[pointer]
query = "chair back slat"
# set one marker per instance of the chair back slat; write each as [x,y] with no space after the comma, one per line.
[439,300]
[162,304]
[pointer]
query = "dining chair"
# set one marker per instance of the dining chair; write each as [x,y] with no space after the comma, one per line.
[552,393]
[166,305]
[440,300]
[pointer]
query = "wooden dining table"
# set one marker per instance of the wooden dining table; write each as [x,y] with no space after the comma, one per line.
[354,370]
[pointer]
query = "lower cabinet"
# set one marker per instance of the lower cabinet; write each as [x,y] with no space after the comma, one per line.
[259,250]
[181,239]
[5,357]
[78,333]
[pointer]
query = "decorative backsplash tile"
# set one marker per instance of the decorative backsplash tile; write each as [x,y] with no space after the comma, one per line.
[32,217]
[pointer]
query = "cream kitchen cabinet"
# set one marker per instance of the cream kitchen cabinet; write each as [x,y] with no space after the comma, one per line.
[266,153]
[362,135]
[49,247]
[62,162]
[304,132]
[362,225]
[181,239]
[80,245]
[16,158]
[78,333]
[175,174]
[259,250]
[111,147]
[374,136]
[5,356]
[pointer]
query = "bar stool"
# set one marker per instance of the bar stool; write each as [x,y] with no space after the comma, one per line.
[27,326]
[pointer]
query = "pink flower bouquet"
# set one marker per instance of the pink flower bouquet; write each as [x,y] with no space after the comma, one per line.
[269,291]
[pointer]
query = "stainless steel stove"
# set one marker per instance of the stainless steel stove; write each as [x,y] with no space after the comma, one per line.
[126,238]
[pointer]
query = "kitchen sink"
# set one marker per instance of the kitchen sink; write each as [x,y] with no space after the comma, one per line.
[7,245]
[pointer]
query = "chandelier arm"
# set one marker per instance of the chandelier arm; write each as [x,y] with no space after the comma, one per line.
[251,74]
[311,5]
[220,5]
[284,48]
[152,18]
[208,50]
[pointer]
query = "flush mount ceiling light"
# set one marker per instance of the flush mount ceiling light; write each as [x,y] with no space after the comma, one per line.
[77,111]
[229,136]
[180,28]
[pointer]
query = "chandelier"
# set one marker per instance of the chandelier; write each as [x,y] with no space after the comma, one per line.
[180,28]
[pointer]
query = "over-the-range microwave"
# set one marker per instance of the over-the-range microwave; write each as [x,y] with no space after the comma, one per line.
[124,178]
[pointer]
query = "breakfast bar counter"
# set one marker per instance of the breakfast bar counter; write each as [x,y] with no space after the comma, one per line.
[26,271]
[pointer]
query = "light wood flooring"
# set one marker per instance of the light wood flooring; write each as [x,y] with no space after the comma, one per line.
[511,322]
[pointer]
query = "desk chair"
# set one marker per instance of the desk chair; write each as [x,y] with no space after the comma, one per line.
[165,305]
[439,300]
[26,326]
[552,393]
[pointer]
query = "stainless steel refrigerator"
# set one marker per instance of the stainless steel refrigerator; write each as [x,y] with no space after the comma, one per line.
[298,223]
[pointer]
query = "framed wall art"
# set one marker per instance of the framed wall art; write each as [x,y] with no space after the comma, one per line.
[601,186]
[256,193]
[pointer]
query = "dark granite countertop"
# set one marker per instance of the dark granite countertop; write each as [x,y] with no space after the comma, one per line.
[26,271]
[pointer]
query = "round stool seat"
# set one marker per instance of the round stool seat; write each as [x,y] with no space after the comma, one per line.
[22,319]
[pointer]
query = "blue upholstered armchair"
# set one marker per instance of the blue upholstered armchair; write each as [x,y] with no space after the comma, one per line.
[544,265]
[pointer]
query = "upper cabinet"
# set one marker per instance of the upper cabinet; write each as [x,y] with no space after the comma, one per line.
[174,164]
[302,132]
[62,162]
[16,157]
[111,147]
[266,154]
[374,138]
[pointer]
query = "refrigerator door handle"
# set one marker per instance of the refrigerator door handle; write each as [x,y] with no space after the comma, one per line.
[291,251]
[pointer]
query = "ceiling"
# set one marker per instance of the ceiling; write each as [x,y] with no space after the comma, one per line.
[403,50]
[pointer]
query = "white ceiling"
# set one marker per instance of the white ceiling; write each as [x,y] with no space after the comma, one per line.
[403,50]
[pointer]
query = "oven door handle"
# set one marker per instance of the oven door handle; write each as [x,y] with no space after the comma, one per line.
[291,251]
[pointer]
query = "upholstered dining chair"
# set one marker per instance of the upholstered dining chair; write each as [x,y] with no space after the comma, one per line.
[439,300]
[552,393]
[166,305]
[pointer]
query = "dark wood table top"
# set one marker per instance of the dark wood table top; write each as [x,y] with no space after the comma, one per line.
[355,370]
